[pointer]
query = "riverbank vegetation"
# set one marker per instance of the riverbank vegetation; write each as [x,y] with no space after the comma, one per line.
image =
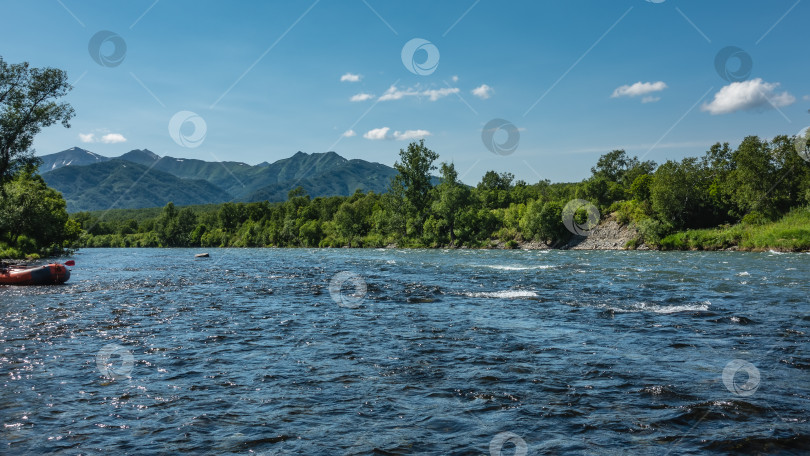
[33,219]
[757,194]
[790,233]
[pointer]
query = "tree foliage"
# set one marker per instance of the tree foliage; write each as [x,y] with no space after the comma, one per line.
[757,181]
[28,102]
[414,180]
[33,219]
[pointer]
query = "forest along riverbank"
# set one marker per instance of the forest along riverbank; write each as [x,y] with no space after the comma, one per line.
[789,234]
[668,206]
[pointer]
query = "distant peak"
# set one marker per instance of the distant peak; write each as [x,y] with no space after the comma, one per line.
[142,153]
[147,152]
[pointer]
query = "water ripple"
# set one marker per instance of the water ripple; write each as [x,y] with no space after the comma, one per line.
[247,353]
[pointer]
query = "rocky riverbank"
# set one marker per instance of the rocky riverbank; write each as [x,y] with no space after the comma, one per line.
[608,235]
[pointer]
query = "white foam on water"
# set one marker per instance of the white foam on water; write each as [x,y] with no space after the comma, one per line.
[743,274]
[699,307]
[655,308]
[505,294]
[519,268]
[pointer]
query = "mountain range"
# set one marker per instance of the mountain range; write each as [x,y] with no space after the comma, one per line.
[141,178]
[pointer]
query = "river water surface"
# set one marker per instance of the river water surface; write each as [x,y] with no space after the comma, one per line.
[151,351]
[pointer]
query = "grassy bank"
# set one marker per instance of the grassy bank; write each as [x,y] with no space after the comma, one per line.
[790,233]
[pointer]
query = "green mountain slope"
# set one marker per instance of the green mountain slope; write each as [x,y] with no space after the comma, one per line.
[341,180]
[228,176]
[75,156]
[121,184]
[96,187]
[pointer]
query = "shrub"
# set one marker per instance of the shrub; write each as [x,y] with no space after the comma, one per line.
[754,218]
[652,231]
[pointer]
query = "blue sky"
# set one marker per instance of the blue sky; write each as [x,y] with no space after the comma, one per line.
[574,79]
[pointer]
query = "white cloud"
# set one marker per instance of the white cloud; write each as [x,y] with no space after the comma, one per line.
[806,98]
[349,134]
[361,97]
[351,77]
[454,78]
[483,91]
[377,134]
[395,93]
[435,94]
[650,99]
[411,134]
[113,138]
[755,94]
[639,88]
[109,138]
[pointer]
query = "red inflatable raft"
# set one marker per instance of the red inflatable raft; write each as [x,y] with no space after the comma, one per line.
[39,275]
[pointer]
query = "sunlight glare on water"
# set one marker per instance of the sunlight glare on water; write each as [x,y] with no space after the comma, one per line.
[413,352]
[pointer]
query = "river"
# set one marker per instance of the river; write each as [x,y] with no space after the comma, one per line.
[349,351]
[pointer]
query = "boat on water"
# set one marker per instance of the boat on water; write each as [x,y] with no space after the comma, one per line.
[49,274]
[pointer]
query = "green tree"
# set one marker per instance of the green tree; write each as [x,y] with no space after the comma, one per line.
[186,223]
[753,178]
[28,103]
[33,216]
[494,189]
[353,218]
[166,225]
[414,181]
[794,171]
[616,166]
[195,238]
[677,194]
[228,216]
[640,188]
[311,233]
[600,190]
[718,164]
[451,198]
[393,218]
[543,221]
